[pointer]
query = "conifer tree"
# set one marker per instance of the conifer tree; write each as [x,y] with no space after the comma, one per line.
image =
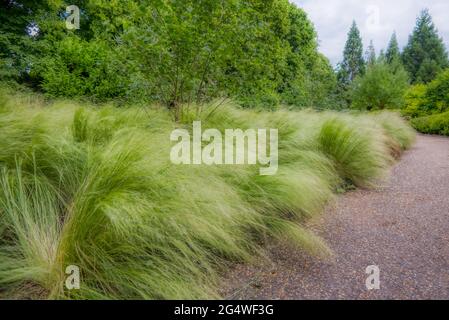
[425,54]
[393,53]
[371,54]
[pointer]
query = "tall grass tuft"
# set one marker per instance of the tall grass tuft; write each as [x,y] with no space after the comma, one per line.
[399,134]
[358,152]
[95,188]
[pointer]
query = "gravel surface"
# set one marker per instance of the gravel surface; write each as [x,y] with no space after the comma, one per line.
[402,227]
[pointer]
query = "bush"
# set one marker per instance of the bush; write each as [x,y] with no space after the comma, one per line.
[428,105]
[437,94]
[94,187]
[80,68]
[380,88]
[435,124]
[433,98]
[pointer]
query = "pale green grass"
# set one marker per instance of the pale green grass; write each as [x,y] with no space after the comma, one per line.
[94,187]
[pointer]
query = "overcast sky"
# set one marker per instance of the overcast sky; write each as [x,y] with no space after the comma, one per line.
[377,19]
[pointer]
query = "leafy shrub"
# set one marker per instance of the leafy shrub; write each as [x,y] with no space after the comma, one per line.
[415,99]
[433,98]
[437,93]
[170,52]
[380,88]
[435,124]
[425,55]
[80,68]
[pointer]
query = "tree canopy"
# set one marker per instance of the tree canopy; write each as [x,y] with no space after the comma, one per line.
[425,54]
[371,54]
[380,88]
[259,52]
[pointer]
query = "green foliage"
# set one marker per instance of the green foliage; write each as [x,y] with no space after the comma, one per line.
[428,99]
[428,105]
[260,53]
[435,124]
[382,87]
[425,55]
[14,20]
[315,89]
[437,93]
[89,187]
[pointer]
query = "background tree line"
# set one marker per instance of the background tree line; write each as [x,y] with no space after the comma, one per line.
[372,83]
[259,52]
[415,80]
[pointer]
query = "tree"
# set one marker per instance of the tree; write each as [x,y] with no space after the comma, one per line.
[371,54]
[258,52]
[380,88]
[353,64]
[16,20]
[425,54]
[393,53]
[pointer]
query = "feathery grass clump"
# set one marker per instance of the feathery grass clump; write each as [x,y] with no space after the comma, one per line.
[95,188]
[400,135]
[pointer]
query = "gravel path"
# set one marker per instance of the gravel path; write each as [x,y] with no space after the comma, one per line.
[403,228]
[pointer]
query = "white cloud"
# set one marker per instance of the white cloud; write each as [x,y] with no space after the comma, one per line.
[377,19]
